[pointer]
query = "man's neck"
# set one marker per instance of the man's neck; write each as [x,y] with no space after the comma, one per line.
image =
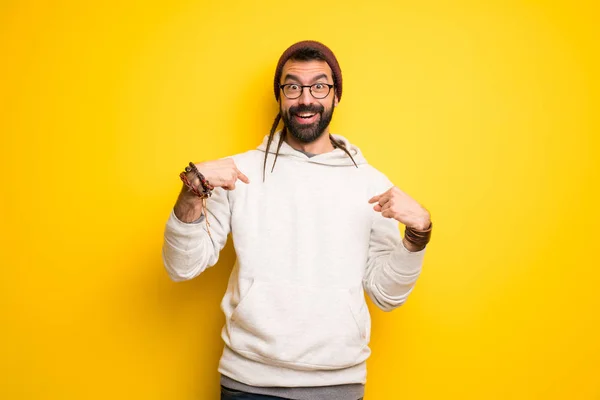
[319,146]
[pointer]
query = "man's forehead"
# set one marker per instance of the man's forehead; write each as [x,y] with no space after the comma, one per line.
[306,69]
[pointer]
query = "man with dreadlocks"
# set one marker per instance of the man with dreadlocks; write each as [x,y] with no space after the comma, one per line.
[314,227]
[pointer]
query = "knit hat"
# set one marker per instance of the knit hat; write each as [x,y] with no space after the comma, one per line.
[312,45]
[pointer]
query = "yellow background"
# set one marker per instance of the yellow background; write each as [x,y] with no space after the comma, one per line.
[484,112]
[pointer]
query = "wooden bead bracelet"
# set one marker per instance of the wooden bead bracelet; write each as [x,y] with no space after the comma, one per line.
[206,192]
[205,184]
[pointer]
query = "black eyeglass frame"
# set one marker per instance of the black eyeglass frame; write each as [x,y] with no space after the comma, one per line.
[329,85]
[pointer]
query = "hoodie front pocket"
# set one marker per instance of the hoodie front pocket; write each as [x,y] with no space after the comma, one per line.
[300,327]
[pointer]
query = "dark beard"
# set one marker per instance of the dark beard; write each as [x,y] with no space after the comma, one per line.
[307,133]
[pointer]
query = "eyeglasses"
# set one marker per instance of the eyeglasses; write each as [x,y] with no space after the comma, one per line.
[317,90]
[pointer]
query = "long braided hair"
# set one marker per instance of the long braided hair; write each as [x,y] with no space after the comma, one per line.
[335,143]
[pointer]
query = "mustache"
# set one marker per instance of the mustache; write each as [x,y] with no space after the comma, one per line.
[303,108]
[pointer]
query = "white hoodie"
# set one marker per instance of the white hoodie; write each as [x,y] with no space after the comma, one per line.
[307,243]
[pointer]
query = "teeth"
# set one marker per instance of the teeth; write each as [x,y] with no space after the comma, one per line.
[306,115]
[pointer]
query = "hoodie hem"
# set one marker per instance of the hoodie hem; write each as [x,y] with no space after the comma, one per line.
[254,373]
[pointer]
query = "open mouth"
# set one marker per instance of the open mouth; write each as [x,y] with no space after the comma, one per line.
[306,118]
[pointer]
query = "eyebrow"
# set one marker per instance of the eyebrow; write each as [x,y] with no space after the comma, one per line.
[297,79]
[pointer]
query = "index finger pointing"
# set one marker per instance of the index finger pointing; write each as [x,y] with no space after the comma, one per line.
[242,177]
[374,199]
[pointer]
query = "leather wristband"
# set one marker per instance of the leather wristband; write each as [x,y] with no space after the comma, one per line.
[417,237]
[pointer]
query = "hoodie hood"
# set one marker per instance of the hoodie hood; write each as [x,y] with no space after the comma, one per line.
[337,157]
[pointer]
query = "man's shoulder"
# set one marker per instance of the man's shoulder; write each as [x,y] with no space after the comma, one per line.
[372,171]
[247,156]
[248,160]
[377,178]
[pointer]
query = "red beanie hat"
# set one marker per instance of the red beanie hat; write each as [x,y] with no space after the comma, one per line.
[310,45]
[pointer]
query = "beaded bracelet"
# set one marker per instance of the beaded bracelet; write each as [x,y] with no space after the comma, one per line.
[417,237]
[205,184]
[191,188]
[203,195]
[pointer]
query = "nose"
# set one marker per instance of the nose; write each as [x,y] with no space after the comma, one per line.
[305,97]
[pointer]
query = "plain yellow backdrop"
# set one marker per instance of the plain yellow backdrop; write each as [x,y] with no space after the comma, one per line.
[485,112]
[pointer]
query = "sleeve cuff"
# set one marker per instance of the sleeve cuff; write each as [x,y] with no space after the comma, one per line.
[182,235]
[404,261]
[199,220]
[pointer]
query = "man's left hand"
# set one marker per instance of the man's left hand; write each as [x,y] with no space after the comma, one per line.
[396,204]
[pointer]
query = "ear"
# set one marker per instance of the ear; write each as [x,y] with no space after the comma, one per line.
[335,100]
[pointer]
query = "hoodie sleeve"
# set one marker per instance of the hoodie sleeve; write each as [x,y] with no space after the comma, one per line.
[188,249]
[392,270]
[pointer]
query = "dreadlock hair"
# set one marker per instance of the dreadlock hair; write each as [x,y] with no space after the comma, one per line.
[305,51]
[334,142]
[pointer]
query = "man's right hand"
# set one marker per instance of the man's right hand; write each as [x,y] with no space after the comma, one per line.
[220,173]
